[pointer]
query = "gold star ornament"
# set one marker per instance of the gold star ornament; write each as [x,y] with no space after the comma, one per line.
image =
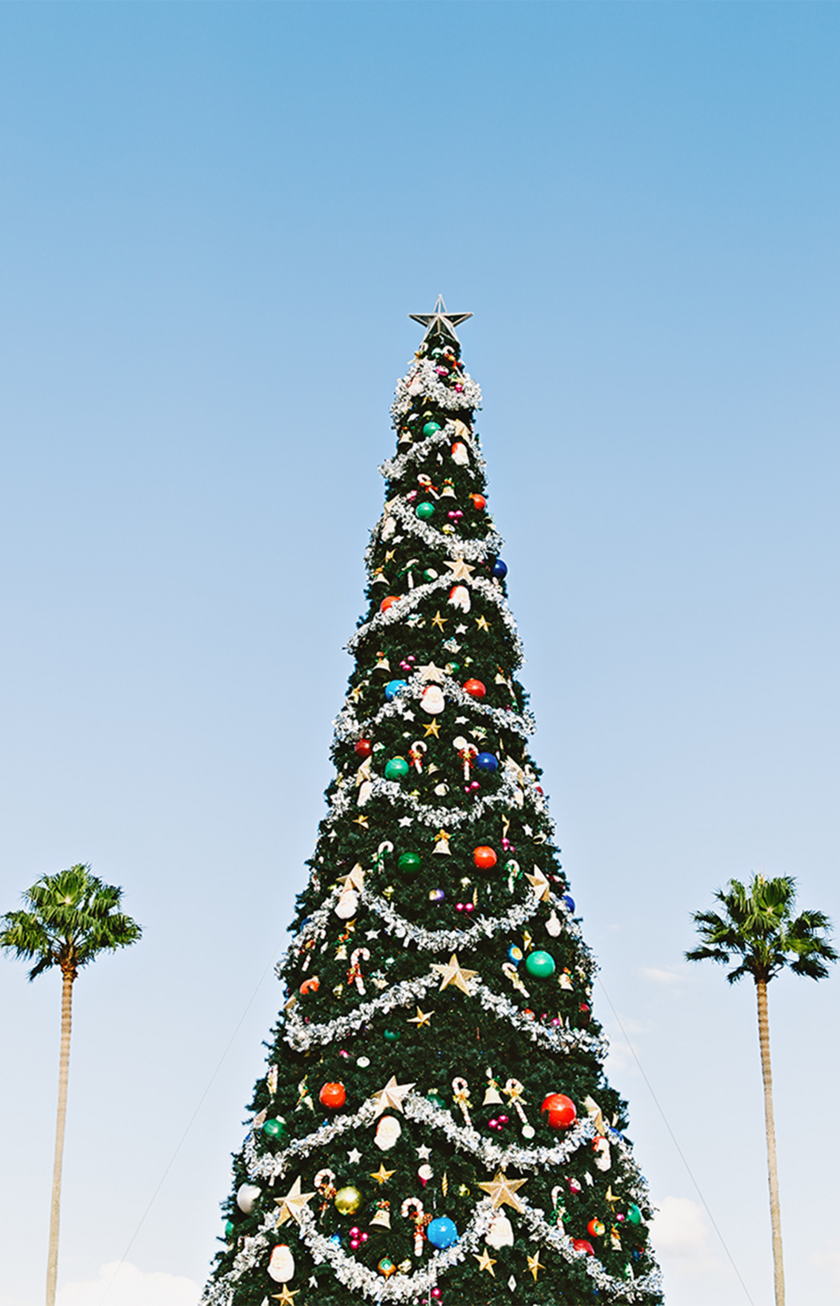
[502,1191]
[452,973]
[534,1265]
[460,570]
[293,1204]
[433,728]
[482,623]
[485,1262]
[390,1098]
[439,621]
[422,1018]
[382,1175]
[285,1297]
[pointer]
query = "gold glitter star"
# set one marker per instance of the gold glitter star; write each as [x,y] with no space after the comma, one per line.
[539,884]
[293,1203]
[485,1262]
[361,820]
[482,623]
[422,1018]
[439,621]
[503,1191]
[430,674]
[390,555]
[460,570]
[433,728]
[391,1096]
[382,1175]
[534,1265]
[452,973]
[285,1297]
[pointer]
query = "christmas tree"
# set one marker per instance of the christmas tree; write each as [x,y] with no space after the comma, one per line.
[435,1124]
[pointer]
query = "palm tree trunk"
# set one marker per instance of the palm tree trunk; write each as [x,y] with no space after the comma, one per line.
[772,1172]
[68,977]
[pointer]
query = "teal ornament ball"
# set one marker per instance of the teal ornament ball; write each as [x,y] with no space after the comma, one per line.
[391,1035]
[396,769]
[424,511]
[228,1228]
[540,964]
[431,428]
[409,863]
[275,1128]
[634,1215]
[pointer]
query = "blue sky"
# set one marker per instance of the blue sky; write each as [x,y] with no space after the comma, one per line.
[215,219]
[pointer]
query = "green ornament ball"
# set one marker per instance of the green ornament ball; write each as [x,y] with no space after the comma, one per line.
[424,511]
[436,1100]
[540,964]
[396,769]
[408,863]
[275,1128]
[391,1035]
[634,1215]
[431,428]
[228,1228]
[430,574]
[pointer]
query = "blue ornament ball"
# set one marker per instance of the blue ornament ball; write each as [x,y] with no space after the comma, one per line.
[515,954]
[335,1238]
[569,901]
[487,762]
[393,687]
[500,569]
[442,1233]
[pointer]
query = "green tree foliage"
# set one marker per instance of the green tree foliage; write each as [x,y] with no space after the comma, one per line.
[68,920]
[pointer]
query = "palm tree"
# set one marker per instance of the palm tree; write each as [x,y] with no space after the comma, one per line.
[758,928]
[69,919]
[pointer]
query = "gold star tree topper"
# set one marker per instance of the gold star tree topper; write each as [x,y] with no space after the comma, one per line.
[440,323]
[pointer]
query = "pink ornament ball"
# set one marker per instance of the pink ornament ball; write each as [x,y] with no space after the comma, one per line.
[436,1293]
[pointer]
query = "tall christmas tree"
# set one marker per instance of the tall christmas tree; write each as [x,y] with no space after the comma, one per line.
[435,1124]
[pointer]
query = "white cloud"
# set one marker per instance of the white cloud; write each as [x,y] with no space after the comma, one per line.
[125,1285]
[680,1228]
[663,976]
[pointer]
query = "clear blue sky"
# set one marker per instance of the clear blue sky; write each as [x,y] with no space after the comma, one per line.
[214,220]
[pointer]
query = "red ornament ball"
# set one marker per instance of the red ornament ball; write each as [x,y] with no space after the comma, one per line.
[561,1110]
[363,748]
[388,602]
[332,1096]
[484,858]
[474,688]
[478,502]
[595,1227]
[581,1245]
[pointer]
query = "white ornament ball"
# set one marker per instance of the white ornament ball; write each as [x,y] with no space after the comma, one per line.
[528,1131]
[281,1267]
[500,1233]
[247,1197]
[387,1132]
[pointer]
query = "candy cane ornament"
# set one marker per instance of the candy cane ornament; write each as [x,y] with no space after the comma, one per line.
[415,755]
[325,1183]
[354,974]
[515,1091]
[512,973]
[412,1209]
[461,1089]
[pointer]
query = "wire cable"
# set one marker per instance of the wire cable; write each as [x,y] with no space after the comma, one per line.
[171,1162]
[674,1141]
